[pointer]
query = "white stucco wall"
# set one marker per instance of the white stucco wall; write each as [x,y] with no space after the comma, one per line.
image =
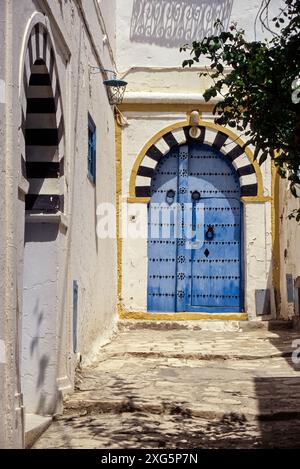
[39,319]
[79,41]
[148,58]
[149,34]
[289,253]
[108,18]
[11,425]
[3,404]
[258,253]
[135,258]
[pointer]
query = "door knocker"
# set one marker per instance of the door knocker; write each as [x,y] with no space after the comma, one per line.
[210,232]
[170,196]
[196,196]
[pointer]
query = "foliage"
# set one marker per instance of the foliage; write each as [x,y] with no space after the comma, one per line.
[255,81]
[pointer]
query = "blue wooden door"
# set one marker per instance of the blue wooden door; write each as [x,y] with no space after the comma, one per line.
[162,246]
[194,239]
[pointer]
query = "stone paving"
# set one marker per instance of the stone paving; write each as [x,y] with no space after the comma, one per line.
[179,385]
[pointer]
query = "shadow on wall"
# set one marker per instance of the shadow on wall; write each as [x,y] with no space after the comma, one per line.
[172,23]
[39,365]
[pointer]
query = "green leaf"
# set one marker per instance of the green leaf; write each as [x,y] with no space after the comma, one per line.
[256,151]
[263,157]
[293,190]
[257,88]
[207,95]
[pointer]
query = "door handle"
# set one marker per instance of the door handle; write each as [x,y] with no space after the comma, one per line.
[195,198]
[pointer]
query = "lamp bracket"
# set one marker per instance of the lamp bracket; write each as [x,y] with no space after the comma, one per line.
[100,70]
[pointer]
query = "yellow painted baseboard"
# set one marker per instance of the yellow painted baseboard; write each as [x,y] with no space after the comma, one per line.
[142,316]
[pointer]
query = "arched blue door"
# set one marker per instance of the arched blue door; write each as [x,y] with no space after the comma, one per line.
[194,233]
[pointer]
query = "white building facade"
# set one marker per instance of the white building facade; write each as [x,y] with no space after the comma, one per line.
[57,141]
[241,265]
[65,151]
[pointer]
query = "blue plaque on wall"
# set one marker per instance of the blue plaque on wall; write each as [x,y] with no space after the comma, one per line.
[290,288]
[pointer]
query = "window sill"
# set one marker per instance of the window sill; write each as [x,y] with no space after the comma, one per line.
[59,218]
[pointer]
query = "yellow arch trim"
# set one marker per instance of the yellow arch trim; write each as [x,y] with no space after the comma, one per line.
[210,125]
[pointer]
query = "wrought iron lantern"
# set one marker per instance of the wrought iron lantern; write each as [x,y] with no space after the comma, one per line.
[115,87]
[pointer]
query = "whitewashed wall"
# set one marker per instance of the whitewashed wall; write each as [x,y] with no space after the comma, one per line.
[79,253]
[148,57]
[149,33]
[289,253]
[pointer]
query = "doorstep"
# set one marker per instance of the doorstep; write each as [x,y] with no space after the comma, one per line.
[143,316]
[131,322]
[35,426]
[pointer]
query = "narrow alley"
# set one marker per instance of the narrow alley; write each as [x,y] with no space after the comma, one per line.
[149,225]
[202,384]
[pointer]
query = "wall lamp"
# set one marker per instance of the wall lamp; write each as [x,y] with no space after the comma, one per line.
[115,87]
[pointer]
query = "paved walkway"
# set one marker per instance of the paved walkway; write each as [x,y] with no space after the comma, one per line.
[183,385]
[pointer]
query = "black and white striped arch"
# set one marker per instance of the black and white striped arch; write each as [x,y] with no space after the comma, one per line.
[42,125]
[181,136]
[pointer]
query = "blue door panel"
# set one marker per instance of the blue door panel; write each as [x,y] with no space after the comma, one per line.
[183,254]
[211,170]
[162,248]
[202,273]
[218,260]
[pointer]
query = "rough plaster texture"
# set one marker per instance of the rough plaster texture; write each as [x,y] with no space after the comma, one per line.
[257,251]
[50,267]
[2,230]
[289,254]
[10,402]
[145,35]
[39,364]
[134,286]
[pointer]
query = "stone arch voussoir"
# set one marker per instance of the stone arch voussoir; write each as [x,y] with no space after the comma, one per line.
[210,134]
